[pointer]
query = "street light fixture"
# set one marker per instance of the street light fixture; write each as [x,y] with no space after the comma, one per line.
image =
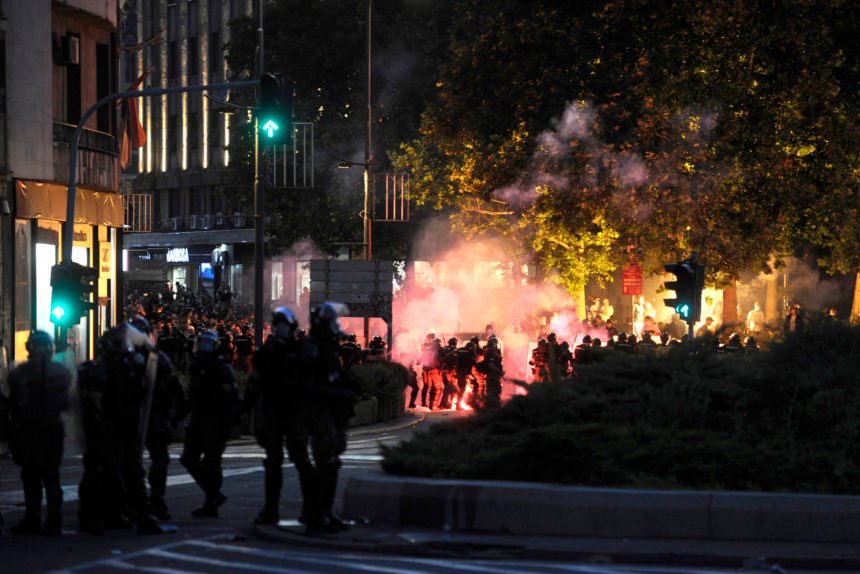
[366,230]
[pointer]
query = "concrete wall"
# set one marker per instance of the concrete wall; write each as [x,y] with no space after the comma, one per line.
[29,106]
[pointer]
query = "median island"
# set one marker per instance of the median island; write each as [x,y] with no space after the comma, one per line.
[691,416]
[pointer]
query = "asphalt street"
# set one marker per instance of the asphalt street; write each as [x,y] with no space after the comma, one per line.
[231,544]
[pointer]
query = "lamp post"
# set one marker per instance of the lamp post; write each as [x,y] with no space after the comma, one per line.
[259,202]
[368,153]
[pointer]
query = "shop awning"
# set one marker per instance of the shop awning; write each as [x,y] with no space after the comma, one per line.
[46,200]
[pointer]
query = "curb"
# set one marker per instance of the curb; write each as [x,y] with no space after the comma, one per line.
[415,420]
[370,539]
[526,509]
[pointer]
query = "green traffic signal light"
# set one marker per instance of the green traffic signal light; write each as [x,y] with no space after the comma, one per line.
[274,109]
[71,287]
[58,312]
[688,284]
[65,295]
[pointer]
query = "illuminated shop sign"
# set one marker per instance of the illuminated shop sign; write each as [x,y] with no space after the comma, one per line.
[177,255]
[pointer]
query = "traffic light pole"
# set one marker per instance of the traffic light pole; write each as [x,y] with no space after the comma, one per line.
[259,202]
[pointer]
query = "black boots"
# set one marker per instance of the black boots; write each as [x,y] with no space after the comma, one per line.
[210,506]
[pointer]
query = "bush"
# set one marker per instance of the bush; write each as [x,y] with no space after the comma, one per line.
[781,420]
[380,379]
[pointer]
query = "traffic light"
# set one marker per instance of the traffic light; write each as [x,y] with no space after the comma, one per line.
[87,281]
[275,109]
[71,287]
[688,284]
[65,296]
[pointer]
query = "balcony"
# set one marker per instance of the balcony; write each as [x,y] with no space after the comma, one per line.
[98,167]
[138,212]
[208,221]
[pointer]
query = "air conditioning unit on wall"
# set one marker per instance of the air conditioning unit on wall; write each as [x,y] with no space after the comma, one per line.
[69,50]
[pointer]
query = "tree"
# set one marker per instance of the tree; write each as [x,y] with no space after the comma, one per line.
[729,128]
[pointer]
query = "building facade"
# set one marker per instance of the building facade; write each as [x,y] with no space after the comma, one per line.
[58,58]
[180,229]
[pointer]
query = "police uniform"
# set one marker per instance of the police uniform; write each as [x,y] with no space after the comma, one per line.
[38,396]
[213,398]
[328,398]
[274,392]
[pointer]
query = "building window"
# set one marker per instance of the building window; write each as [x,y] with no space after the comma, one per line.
[103,87]
[216,58]
[172,132]
[172,61]
[193,135]
[193,57]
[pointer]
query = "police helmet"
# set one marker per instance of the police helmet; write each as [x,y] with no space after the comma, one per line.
[453,341]
[622,337]
[631,338]
[493,341]
[377,342]
[475,340]
[140,323]
[430,336]
[552,338]
[40,344]
[325,317]
[284,323]
[352,338]
[587,339]
[735,340]
[114,343]
[206,342]
[596,342]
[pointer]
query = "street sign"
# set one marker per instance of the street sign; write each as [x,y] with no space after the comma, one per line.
[366,287]
[631,280]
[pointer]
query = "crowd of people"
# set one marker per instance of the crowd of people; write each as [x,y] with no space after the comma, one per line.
[458,377]
[130,399]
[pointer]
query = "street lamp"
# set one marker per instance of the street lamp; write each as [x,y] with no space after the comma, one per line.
[366,230]
[368,153]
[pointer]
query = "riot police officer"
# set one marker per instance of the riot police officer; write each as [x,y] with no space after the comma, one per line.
[38,396]
[113,391]
[278,421]
[466,358]
[327,405]
[244,343]
[431,352]
[164,400]
[213,400]
[492,368]
[539,360]
[350,352]
[448,384]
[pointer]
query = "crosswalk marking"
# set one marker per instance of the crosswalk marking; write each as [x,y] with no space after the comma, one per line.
[217,552]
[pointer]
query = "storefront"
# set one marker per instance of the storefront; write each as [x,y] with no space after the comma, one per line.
[40,214]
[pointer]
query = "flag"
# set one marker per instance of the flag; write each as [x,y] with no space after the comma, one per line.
[133,135]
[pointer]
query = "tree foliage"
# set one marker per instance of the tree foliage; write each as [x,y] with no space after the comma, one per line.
[578,129]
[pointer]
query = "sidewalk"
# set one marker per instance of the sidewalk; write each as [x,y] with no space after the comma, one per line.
[487,519]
